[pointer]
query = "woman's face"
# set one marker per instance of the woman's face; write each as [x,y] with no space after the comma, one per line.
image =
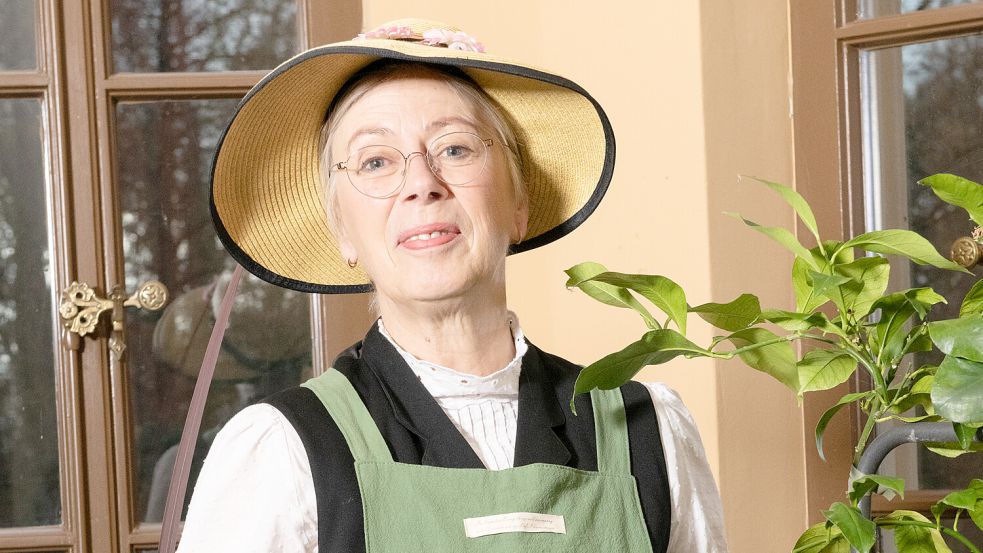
[393,238]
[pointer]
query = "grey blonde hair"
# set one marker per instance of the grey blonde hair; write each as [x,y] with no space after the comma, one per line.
[490,118]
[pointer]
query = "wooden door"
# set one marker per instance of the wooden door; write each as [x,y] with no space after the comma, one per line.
[109,116]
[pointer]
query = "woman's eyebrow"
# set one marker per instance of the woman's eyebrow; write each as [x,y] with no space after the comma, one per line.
[367,130]
[448,121]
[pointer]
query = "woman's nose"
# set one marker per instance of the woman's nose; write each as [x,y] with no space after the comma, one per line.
[420,181]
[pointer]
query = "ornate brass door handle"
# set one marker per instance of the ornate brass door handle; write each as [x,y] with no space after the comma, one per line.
[80,308]
[966,251]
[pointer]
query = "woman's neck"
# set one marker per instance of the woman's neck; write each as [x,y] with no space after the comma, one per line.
[475,339]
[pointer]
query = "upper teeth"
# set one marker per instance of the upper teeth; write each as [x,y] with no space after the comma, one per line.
[427,235]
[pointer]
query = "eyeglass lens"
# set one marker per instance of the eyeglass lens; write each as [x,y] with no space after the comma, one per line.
[456,158]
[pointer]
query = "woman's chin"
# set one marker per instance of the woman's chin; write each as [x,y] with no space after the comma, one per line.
[433,288]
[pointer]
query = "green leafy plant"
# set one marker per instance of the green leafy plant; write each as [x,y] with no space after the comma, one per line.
[847,321]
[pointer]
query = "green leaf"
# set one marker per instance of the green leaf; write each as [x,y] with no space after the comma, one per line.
[920,299]
[842,257]
[966,498]
[958,390]
[857,529]
[969,499]
[581,275]
[913,539]
[733,316]
[784,237]
[863,484]
[797,202]
[654,348]
[822,369]
[806,300]
[821,538]
[959,192]
[964,433]
[869,276]
[973,302]
[661,291]
[890,332]
[896,309]
[962,337]
[952,449]
[920,342]
[793,321]
[905,243]
[824,285]
[828,416]
[977,515]
[916,418]
[776,359]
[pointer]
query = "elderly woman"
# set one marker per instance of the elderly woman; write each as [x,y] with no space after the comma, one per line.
[410,163]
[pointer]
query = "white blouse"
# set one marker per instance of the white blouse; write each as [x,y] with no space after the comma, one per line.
[277,510]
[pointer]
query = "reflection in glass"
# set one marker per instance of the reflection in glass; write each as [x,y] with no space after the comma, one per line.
[189,35]
[29,488]
[168,235]
[18,48]
[923,108]
[881,8]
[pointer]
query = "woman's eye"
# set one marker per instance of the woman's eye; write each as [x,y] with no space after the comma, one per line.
[373,164]
[456,151]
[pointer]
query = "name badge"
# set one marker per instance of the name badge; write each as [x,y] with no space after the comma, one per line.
[514,522]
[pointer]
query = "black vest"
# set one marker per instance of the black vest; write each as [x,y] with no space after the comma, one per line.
[419,432]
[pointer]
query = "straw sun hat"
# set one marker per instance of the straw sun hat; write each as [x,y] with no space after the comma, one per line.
[266,194]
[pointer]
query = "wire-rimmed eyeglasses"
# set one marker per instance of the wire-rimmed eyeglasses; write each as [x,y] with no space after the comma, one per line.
[379,171]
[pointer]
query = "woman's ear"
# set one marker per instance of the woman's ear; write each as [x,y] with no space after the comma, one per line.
[346,247]
[521,223]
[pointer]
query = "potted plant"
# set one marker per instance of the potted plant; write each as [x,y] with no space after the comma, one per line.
[846,320]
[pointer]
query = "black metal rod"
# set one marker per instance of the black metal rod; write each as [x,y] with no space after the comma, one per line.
[888,440]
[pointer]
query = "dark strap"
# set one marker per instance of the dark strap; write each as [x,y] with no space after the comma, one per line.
[189,437]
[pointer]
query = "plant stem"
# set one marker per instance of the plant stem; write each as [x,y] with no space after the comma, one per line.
[730,354]
[951,533]
[868,427]
[871,369]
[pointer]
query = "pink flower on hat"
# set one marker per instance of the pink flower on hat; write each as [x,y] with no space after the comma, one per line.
[454,40]
[392,32]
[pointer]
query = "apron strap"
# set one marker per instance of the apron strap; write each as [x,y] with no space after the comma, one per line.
[611,432]
[349,413]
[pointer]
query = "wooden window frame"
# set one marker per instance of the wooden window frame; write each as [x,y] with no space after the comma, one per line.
[79,91]
[826,41]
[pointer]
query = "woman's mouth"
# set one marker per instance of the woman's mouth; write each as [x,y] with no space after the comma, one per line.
[428,236]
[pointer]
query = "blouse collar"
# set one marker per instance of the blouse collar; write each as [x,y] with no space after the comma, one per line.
[444,382]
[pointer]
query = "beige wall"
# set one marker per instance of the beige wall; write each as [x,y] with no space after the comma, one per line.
[747,100]
[697,93]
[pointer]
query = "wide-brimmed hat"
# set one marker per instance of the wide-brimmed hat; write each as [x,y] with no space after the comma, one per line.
[266,199]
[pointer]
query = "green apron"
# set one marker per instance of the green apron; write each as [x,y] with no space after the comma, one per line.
[537,507]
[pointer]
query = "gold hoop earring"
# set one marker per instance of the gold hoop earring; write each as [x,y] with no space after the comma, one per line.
[352,264]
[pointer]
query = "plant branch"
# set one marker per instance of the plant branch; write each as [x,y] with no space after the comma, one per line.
[868,427]
[945,530]
[750,347]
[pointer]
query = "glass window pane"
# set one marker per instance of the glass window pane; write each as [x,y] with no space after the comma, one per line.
[168,236]
[881,8]
[923,109]
[18,43]
[150,36]
[29,488]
